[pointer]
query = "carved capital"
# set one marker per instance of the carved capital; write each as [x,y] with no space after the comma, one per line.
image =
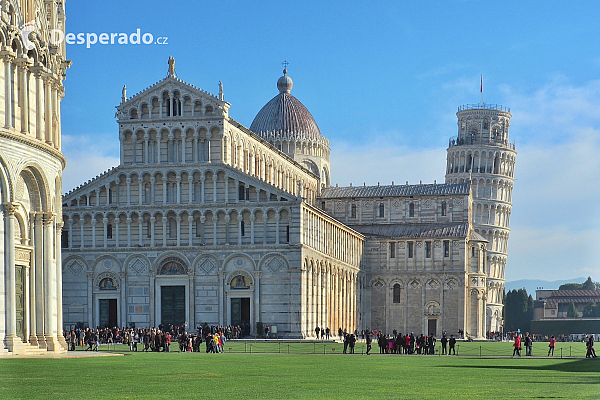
[9,209]
[48,218]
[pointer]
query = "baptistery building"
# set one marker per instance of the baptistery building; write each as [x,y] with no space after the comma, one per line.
[32,70]
[206,221]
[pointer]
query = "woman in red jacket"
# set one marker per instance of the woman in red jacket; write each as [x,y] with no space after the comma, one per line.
[517,345]
[551,346]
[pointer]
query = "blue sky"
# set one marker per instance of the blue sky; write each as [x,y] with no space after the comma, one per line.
[383,81]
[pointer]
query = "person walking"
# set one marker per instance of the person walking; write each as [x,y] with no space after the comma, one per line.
[369,342]
[551,346]
[528,344]
[517,346]
[591,353]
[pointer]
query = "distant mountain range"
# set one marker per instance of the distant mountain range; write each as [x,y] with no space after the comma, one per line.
[532,284]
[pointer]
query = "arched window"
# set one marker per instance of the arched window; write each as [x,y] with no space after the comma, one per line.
[443,208]
[392,250]
[198,228]
[109,231]
[243,228]
[353,211]
[396,297]
[172,228]
[411,210]
[196,191]
[241,193]
[381,210]
[147,193]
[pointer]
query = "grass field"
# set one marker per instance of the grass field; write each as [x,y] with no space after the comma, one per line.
[299,376]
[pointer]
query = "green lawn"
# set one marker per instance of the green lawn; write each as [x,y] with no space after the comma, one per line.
[296,376]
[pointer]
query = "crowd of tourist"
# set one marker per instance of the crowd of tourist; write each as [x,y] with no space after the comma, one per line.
[214,339]
[397,343]
[156,339]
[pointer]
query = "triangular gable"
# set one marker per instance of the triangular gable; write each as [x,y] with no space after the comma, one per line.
[170,83]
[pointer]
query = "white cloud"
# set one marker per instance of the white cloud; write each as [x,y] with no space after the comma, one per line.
[87,156]
[83,167]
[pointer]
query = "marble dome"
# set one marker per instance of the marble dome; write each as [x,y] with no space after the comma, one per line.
[284,115]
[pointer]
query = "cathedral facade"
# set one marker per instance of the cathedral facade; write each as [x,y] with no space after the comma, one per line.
[32,71]
[207,221]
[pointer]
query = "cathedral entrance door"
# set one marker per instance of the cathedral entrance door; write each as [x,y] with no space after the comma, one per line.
[432,327]
[108,312]
[240,310]
[20,300]
[172,305]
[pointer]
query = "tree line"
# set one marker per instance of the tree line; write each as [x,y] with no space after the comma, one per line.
[518,306]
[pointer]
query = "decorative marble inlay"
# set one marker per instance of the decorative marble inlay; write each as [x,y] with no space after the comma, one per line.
[75,267]
[107,264]
[275,264]
[206,265]
[138,266]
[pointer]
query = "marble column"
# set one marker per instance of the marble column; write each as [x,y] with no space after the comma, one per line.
[50,285]
[190,230]
[257,316]
[192,301]
[59,289]
[11,340]
[123,298]
[90,298]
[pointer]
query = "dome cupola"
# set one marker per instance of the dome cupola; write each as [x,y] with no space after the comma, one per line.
[288,125]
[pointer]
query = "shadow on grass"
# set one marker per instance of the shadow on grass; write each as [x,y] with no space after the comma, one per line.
[585,365]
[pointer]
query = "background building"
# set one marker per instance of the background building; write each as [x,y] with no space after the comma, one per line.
[31,73]
[206,221]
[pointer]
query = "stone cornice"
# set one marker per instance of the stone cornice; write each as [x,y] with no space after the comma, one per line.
[36,144]
[222,247]
[191,208]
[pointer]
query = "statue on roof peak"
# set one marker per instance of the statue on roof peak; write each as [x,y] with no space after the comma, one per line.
[171,66]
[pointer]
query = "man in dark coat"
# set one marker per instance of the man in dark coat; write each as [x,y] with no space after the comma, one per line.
[351,342]
[444,344]
[452,343]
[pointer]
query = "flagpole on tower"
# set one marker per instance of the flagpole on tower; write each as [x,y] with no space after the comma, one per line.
[481,89]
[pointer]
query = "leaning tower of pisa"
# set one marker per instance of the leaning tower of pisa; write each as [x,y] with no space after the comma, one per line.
[483,155]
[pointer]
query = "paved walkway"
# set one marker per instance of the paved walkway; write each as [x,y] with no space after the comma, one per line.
[69,354]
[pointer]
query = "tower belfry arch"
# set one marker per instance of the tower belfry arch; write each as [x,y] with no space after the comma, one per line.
[483,155]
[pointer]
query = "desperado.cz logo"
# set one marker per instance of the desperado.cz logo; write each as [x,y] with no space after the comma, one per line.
[91,38]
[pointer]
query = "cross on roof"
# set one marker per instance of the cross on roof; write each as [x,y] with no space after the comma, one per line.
[285,64]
